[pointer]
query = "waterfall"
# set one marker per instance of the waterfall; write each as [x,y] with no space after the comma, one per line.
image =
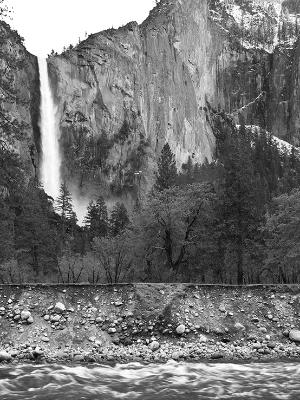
[51,160]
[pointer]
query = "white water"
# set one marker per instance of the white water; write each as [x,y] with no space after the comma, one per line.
[51,160]
[171,381]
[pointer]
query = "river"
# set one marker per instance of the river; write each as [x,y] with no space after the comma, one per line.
[186,381]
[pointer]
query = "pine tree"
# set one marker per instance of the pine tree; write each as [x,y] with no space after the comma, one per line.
[36,235]
[119,219]
[167,171]
[240,195]
[64,207]
[63,204]
[96,219]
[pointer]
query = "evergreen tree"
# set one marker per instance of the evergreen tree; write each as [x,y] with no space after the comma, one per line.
[63,204]
[64,208]
[240,195]
[119,219]
[167,172]
[36,235]
[282,238]
[96,219]
[291,172]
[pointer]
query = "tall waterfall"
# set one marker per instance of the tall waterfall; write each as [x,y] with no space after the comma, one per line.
[51,160]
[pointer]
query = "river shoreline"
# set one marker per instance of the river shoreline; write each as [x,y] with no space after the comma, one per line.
[151,323]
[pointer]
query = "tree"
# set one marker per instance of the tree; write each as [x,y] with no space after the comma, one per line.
[119,219]
[4,10]
[36,235]
[282,238]
[64,206]
[167,225]
[167,171]
[96,219]
[114,257]
[291,172]
[7,218]
[242,207]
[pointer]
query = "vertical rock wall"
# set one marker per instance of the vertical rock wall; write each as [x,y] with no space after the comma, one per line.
[19,94]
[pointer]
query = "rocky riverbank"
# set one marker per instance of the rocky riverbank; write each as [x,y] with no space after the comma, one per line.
[148,323]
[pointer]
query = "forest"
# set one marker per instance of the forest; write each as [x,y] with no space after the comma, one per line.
[235,221]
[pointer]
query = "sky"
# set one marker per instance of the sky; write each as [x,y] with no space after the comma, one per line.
[53,24]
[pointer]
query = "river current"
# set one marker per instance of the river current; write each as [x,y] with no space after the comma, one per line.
[186,381]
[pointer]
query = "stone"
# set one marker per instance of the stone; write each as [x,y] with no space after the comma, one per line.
[37,352]
[175,355]
[180,329]
[239,327]
[78,357]
[294,335]
[55,318]
[154,346]
[59,307]
[30,320]
[4,356]
[263,329]
[203,339]
[25,315]
[112,330]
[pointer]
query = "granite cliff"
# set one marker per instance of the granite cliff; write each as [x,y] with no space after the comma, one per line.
[123,93]
[19,98]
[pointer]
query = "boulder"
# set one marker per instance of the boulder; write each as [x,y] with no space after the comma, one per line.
[4,356]
[294,335]
[154,346]
[25,315]
[180,329]
[59,307]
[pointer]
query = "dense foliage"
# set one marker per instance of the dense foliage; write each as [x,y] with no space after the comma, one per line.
[232,221]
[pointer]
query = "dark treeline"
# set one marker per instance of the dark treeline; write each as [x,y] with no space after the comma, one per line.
[236,220]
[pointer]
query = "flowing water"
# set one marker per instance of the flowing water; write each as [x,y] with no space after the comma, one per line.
[50,168]
[186,381]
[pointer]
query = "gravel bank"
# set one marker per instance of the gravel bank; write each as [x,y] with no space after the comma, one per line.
[148,322]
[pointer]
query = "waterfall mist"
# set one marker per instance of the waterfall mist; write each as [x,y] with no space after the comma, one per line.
[51,159]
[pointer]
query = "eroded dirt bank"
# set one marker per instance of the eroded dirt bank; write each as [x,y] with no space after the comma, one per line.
[155,322]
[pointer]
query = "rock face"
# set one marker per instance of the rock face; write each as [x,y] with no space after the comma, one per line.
[19,94]
[123,93]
